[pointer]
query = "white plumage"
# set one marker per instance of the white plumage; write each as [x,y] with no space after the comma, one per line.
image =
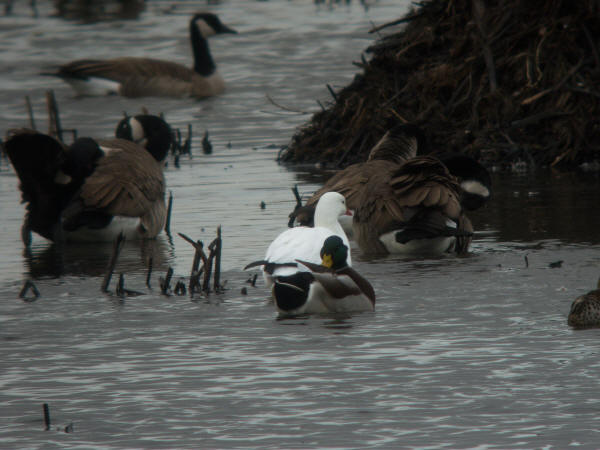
[305,243]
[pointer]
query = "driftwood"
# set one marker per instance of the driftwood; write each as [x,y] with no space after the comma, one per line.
[497,80]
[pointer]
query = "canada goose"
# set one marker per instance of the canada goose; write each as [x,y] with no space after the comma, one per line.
[585,309]
[140,77]
[149,131]
[91,190]
[394,148]
[330,287]
[398,148]
[413,209]
[304,243]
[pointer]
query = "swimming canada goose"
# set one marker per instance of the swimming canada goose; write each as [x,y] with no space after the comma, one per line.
[585,309]
[304,243]
[330,287]
[140,77]
[91,190]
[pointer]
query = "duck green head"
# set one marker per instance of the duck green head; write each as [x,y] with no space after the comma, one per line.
[334,253]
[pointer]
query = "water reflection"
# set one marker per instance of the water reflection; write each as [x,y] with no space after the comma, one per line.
[542,205]
[91,259]
[89,11]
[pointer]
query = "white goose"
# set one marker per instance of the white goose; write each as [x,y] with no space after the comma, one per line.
[305,243]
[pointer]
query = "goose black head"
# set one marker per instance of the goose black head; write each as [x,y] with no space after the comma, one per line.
[150,131]
[209,24]
[80,161]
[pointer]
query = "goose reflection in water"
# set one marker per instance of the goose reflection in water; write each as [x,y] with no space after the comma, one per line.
[92,259]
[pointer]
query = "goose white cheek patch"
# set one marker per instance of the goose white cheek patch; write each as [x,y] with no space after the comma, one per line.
[475,187]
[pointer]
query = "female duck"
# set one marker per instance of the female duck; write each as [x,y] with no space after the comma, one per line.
[585,310]
[140,77]
[330,287]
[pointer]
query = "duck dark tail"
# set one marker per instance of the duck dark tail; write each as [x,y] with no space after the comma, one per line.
[36,159]
[291,292]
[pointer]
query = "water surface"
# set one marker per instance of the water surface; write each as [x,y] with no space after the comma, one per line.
[467,352]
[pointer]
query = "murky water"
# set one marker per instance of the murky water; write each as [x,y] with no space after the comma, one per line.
[460,353]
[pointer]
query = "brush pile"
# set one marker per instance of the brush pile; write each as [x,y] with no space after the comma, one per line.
[500,80]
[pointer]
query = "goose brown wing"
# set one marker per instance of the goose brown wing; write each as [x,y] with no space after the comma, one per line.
[351,181]
[126,182]
[425,182]
[422,182]
[124,69]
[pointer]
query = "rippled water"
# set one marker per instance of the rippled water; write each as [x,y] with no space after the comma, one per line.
[460,353]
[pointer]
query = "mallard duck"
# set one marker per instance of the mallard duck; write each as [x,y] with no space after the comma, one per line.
[304,242]
[91,190]
[140,77]
[585,309]
[330,287]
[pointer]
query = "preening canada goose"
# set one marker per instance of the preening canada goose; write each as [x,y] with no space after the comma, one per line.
[304,243]
[585,309]
[373,187]
[332,286]
[140,77]
[414,209]
[91,190]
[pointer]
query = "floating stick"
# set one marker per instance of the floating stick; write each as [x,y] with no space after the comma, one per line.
[113,261]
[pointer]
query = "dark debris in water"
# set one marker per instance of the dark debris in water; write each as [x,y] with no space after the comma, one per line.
[511,83]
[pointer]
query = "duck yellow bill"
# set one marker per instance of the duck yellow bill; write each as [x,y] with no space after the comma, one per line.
[327,260]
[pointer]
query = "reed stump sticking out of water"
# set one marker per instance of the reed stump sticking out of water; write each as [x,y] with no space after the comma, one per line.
[502,81]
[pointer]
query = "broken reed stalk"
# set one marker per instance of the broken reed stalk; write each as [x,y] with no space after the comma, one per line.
[187,146]
[218,247]
[198,256]
[166,283]
[30,112]
[169,210]
[121,286]
[149,275]
[46,409]
[54,128]
[208,268]
[113,261]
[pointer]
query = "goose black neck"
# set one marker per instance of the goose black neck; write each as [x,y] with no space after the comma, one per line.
[203,62]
